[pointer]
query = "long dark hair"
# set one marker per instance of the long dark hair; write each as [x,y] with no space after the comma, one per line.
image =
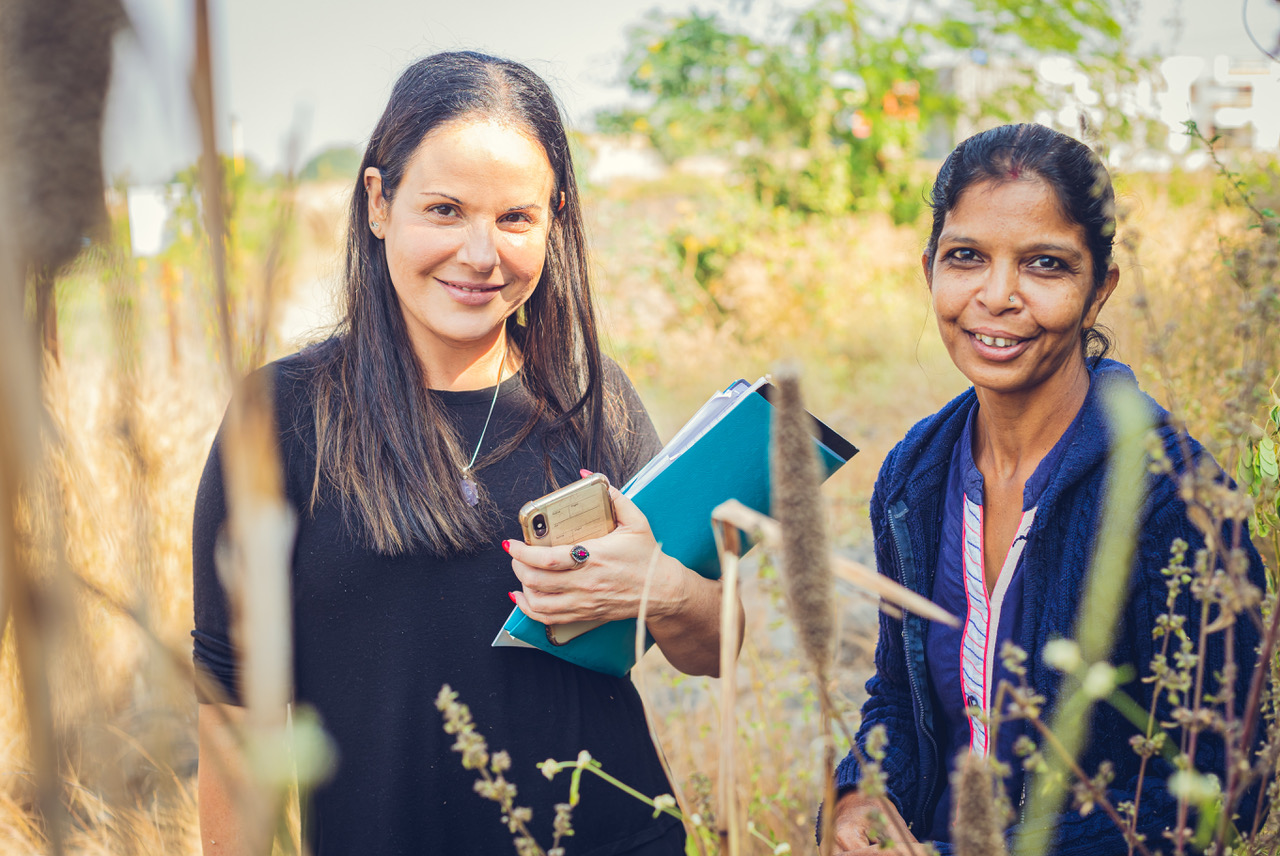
[1077,177]
[384,445]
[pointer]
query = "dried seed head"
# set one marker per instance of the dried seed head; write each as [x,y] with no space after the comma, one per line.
[797,505]
[57,64]
[976,829]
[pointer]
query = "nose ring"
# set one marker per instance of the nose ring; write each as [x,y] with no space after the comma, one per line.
[1012,298]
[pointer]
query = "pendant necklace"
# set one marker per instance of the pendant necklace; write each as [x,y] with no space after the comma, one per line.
[466,484]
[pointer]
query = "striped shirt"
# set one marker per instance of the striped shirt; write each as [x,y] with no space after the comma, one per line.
[965,668]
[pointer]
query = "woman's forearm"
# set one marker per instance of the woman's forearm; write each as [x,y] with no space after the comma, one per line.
[687,627]
[232,821]
[220,777]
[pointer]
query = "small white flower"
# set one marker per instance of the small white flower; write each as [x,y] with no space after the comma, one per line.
[1063,655]
[1099,681]
[1194,787]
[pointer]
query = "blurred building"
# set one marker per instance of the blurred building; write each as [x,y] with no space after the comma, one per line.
[1235,100]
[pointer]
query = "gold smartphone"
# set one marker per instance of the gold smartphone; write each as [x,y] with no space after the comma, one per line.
[575,512]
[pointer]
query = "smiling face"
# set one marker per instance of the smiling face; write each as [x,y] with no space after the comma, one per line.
[466,239]
[1007,240]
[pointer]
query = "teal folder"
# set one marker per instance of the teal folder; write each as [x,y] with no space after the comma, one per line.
[721,454]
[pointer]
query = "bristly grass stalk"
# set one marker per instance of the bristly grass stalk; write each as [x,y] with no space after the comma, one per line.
[806,567]
[1104,597]
[977,830]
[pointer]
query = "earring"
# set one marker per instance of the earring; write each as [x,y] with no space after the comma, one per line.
[373,224]
[522,315]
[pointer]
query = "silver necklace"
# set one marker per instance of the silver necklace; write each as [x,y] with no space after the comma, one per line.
[466,484]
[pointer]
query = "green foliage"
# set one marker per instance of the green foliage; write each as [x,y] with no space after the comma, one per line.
[829,115]
[261,237]
[336,163]
[1259,474]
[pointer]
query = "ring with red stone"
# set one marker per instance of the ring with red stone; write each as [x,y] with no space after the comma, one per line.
[579,554]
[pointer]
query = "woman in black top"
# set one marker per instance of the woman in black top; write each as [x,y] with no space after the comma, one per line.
[464,379]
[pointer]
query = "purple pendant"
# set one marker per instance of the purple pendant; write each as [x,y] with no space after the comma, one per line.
[469,491]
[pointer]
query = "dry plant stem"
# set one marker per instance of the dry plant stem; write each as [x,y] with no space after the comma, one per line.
[1192,732]
[805,558]
[1254,703]
[641,632]
[768,533]
[1151,724]
[19,445]
[212,197]
[728,546]
[731,516]
[47,312]
[180,660]
[1069,759]
[1230,796]
[33,663]
[829,778]
[260,524]
[1235,183]
[274,268]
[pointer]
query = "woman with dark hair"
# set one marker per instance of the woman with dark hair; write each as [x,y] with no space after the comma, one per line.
[464,379]
[991,507]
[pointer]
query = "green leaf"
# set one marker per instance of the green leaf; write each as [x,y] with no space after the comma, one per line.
[1267,458]
[1244,472]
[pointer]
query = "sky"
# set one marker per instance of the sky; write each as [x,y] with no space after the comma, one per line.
[320,71]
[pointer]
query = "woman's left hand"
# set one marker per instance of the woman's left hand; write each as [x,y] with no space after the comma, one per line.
[683,609]
[609,584]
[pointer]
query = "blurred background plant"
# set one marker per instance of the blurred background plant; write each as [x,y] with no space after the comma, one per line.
[824,110]
[790,227]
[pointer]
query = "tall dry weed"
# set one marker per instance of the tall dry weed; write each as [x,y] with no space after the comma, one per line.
[977,830]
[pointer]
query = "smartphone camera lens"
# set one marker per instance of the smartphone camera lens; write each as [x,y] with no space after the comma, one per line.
[540,526]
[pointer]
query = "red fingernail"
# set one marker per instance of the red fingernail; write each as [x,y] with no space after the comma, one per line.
[512,595]
[506,545]
[584,473]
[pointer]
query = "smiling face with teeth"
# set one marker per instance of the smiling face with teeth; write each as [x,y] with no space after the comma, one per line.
[466,239]
[1009,239]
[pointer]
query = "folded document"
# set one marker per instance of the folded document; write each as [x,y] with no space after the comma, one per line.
[721,453]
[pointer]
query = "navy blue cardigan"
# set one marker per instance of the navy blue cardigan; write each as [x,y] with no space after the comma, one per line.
[906,517]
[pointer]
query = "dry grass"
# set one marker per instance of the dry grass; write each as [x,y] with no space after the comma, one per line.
[844,298]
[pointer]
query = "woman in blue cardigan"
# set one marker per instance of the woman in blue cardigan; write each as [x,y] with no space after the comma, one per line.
[991,506]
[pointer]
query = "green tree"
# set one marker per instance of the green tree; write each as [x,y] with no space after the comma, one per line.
[831,113]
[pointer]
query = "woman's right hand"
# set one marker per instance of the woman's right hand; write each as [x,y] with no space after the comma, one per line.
[857,830]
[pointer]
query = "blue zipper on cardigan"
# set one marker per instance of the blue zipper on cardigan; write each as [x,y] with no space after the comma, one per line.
[924,798]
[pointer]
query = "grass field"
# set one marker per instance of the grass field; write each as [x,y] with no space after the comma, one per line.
[697,286]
